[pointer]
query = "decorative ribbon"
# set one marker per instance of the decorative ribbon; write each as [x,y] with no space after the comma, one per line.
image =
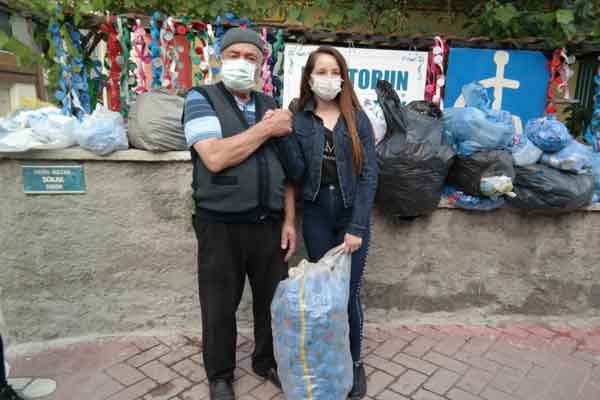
[213,50]
[203,54]
[592,133]
[566,73]
[141,56]
[232,20]
[436,79]
[266,71]
[278,47]
[155,51]
[217,37]
[96,82]
[554,66]
[56,43]
[79,77]
[127,84]
[560,74]
[167,39]
[114,50]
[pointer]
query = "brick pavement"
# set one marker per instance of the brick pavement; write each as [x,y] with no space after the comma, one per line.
[408,362]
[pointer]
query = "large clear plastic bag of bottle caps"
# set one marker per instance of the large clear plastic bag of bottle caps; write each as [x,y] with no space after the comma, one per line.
[524,152]
[310,329]
[462,200]
[576,157]
[477,127]
[548,133]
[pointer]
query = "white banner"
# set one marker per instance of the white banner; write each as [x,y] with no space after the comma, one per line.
[406,70]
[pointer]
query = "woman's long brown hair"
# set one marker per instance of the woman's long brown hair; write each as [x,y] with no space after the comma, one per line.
[347,100]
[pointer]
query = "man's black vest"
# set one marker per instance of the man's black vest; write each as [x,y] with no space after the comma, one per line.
[258,181]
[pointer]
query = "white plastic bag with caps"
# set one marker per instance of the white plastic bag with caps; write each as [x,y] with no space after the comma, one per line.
[375,114]
[55,132]
[497,185]
[311,331]
[43,129]
[103,132]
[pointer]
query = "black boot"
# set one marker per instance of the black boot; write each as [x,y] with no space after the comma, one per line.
[359,383]
[270,375]
[221,389]
[8,393]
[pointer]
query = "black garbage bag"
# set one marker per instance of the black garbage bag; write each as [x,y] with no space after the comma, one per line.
[468,171]
[425,108]
[542,188]
[414,158]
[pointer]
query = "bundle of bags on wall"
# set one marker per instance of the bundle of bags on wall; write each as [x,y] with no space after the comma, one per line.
[481,162]
[102,132]
[154,124]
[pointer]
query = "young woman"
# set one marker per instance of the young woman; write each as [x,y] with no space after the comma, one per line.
[332,159]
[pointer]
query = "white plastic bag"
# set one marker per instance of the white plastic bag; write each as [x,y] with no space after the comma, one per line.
[103,132]
[375,114]
[311,331]
[497,185]
[54,132]
[16,141]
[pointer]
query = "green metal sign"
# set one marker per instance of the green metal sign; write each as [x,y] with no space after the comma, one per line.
[53,179]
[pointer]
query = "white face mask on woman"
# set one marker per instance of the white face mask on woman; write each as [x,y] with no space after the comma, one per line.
[239,75]
[326,88]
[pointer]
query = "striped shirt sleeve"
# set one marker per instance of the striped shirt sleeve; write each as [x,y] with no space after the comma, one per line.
[201,121]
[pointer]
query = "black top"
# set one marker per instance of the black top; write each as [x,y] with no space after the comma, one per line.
[329,174]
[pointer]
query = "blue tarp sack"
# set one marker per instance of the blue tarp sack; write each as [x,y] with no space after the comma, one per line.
[576,158]
[458,199]
[548,133]
[310,329]
[596,173]
[477,127]
[524,152]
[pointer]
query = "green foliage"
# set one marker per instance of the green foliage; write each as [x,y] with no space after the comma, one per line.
[26,57]
[578,117]
[570,20]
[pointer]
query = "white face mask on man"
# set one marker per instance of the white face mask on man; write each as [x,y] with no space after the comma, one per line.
[326,88]
[239,75]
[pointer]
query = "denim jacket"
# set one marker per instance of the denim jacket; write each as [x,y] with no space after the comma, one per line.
[302,156]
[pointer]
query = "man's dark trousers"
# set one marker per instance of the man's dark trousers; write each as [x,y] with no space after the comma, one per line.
[227,252]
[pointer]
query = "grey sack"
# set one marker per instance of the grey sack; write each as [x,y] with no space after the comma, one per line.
[155,122]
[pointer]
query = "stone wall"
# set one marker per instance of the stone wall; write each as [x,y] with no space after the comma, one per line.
[122,257]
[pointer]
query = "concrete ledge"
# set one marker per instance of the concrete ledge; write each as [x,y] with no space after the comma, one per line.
[444,204]
[79,154]
[134,155]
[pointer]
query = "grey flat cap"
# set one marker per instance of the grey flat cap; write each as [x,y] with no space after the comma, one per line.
[239,35]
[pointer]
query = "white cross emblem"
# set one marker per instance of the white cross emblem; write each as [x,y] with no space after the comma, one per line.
[499,83]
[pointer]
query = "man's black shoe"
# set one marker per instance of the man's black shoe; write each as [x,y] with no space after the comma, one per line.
[270,375]
[221,389]
[8,393]
[359,384]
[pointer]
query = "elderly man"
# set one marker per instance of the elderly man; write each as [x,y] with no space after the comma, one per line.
[244,217]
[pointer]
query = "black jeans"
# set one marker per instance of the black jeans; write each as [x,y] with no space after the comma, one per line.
[324,225]
[2,370]
[227,252]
